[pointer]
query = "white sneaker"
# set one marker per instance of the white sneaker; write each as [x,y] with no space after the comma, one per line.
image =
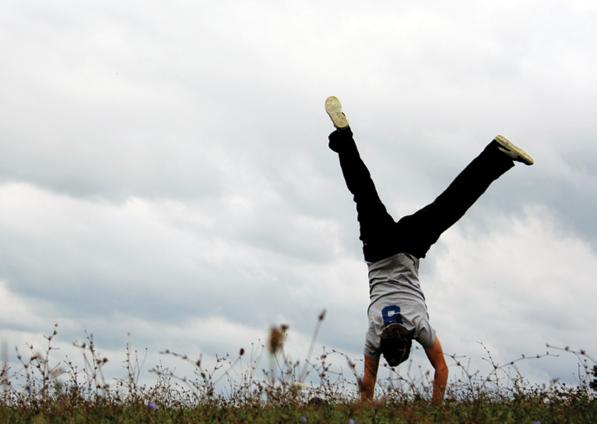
[333,107]
[516,153]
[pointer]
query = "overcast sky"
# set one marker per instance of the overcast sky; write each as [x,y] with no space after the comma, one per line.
[164,169]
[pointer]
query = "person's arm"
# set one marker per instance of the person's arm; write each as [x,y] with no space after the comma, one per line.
[368,384]
[440,380]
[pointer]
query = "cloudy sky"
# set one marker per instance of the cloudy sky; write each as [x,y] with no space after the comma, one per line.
[164,170]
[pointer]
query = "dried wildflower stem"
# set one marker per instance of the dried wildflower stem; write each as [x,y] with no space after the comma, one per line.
[580,352]
[303,373]
[133,367]
[4,381]
[231,367]
[277,337]
[93,364]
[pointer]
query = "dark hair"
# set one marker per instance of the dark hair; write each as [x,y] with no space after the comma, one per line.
[395,344]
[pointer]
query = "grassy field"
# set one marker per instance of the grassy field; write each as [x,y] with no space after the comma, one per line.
[570,408]
[528,410]
[40,391]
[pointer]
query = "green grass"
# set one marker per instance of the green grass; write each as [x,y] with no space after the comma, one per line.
[571,409]
[235,391]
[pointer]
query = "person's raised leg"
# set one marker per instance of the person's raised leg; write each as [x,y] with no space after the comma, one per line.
[422,229]
[375,223]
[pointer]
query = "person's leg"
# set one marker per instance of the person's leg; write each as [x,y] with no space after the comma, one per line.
[375,223]
[419,231]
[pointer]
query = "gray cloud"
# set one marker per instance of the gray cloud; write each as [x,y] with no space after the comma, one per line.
[167,168]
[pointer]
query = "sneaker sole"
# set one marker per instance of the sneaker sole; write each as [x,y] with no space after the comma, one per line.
[333,108]
[515,152]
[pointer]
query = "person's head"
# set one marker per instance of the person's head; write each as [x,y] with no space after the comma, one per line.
[396,342]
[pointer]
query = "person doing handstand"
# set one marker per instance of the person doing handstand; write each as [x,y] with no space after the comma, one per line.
[397,311]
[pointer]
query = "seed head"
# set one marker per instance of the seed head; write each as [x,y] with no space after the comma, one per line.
[276,338]
[322,315]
